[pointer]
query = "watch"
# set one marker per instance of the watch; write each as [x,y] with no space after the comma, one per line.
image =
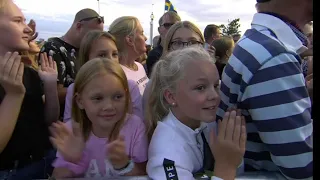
[128,168]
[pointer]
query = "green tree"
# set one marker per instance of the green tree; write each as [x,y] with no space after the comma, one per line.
[232,28]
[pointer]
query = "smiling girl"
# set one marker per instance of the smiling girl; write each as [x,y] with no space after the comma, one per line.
[103,140]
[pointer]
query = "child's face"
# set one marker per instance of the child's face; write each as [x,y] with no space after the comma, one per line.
[14,32]
[183,35]
[104,47]
[104,101]
[197,94]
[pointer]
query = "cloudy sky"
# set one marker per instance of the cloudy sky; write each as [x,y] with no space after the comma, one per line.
[55,17]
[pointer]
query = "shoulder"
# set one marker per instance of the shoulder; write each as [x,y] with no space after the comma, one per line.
[132,124]
[165,140]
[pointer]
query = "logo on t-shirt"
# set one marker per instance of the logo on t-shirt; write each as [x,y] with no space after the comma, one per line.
[170,169]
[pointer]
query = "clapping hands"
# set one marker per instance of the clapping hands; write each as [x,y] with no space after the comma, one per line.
[48,69]
[116,153]
[11,74]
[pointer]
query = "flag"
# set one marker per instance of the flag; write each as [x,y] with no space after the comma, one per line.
[168,6]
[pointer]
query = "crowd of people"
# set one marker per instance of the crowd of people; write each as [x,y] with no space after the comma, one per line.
[102,103]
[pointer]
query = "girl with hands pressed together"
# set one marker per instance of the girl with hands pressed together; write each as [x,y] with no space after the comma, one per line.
[102,139]
[180,115]
[29,102]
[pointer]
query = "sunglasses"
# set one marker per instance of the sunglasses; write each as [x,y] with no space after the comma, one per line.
[99,18]
[167,25]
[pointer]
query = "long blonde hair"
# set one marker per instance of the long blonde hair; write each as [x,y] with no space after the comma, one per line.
[86,45]
[121,28]
[90,70]
[174,28]
[167,72]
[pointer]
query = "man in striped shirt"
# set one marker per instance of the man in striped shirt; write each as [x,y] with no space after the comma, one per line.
[264,78]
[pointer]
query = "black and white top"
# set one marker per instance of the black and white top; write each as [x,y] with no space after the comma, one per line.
[65,55]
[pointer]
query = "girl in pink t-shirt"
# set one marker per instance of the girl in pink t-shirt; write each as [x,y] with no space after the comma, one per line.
[102,140]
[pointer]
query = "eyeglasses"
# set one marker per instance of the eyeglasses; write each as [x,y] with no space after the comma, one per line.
[180,44]
[99,18]
[167,25]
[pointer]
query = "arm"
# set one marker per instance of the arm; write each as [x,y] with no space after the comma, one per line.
[61,172]
[279,105]
[9,112]
[48,74]
[51,104]
[68,104]
[54,53]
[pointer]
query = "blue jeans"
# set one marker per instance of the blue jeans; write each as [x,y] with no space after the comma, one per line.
[37,170]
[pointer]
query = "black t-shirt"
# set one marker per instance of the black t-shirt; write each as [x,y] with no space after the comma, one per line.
[153,57]
[30,137]
[65,55]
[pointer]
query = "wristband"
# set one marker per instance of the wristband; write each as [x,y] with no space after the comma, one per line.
[126,169]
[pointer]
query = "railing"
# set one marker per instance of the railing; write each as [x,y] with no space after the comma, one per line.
[245,176]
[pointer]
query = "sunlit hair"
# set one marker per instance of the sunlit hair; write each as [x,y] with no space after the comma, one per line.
[89,71]
[121,28]
[168,71]
[3,3]
[222,46]
[86,45]
[174,28]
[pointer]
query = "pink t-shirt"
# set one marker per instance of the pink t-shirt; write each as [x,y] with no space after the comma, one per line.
[140,76]
[136,100]
[96,163]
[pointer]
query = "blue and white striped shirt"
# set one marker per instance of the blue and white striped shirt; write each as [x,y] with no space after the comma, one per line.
[263,78]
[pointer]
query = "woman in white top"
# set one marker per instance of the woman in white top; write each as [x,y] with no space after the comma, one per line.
[180,115]
[130,41]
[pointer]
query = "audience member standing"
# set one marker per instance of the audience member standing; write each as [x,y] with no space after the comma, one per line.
[263,78]
[29,102]
[211,32]
[165,22]
[131,44]
[64,49]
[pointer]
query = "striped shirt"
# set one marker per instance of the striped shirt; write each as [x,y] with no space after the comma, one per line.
[264,78]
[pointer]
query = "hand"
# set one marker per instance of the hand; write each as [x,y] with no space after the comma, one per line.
[69,144]
[48,69]
[309,84]
[308,52]
[228,147]
[11,74]
[116,153]
[212,51]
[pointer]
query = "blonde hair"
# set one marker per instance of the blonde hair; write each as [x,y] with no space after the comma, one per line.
[121,28]
[3,4]
[90,70]
[222,45]
[174,28]
[86,45]
[167,72]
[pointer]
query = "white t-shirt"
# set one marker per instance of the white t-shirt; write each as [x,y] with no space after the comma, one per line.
[176,151]
[140,76]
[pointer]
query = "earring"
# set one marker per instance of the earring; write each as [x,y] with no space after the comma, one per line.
[173,104]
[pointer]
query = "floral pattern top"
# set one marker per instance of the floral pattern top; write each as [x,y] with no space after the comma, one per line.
[65,55]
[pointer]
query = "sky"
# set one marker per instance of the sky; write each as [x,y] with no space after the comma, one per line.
[54,17]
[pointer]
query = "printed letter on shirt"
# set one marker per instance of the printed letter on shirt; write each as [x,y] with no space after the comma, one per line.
[93,170]
[170,169]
